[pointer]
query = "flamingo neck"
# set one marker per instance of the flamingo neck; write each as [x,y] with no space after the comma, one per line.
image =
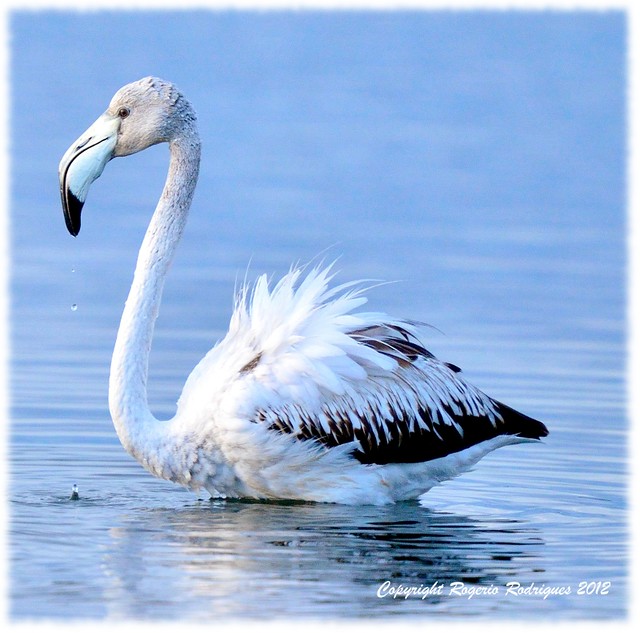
[135,424]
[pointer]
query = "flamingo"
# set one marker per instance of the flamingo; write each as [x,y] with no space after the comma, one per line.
[305,398]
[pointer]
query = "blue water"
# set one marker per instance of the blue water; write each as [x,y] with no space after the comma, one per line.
[475,158]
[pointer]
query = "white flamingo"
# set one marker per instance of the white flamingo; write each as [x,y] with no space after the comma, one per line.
[304,398]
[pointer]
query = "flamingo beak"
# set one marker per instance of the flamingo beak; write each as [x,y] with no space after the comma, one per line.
[83,163]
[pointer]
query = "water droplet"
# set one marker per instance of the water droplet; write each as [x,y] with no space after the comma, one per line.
[74,307]
[73,270]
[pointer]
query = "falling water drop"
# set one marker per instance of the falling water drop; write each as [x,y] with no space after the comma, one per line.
[74,307]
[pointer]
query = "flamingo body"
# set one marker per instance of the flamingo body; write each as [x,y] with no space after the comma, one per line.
[306,397]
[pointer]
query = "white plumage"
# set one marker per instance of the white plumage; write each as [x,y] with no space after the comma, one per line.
[306,397]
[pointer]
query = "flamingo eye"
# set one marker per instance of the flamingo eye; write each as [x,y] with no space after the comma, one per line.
[123,113]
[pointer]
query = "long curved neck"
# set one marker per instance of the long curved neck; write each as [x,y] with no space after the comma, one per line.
[128,403]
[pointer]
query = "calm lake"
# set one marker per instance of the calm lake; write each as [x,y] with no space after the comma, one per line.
[475,159]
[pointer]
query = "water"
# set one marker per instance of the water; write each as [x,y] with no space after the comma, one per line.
[476,158]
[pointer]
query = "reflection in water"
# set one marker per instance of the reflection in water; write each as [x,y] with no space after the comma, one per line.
[260,559]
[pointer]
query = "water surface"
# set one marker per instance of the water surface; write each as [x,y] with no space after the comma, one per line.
[477,159]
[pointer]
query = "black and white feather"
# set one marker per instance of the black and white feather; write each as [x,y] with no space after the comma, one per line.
[313,377]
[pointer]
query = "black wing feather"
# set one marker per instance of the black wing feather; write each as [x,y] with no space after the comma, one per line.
[423,434]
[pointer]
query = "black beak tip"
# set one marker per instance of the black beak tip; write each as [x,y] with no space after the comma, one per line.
[72,208]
